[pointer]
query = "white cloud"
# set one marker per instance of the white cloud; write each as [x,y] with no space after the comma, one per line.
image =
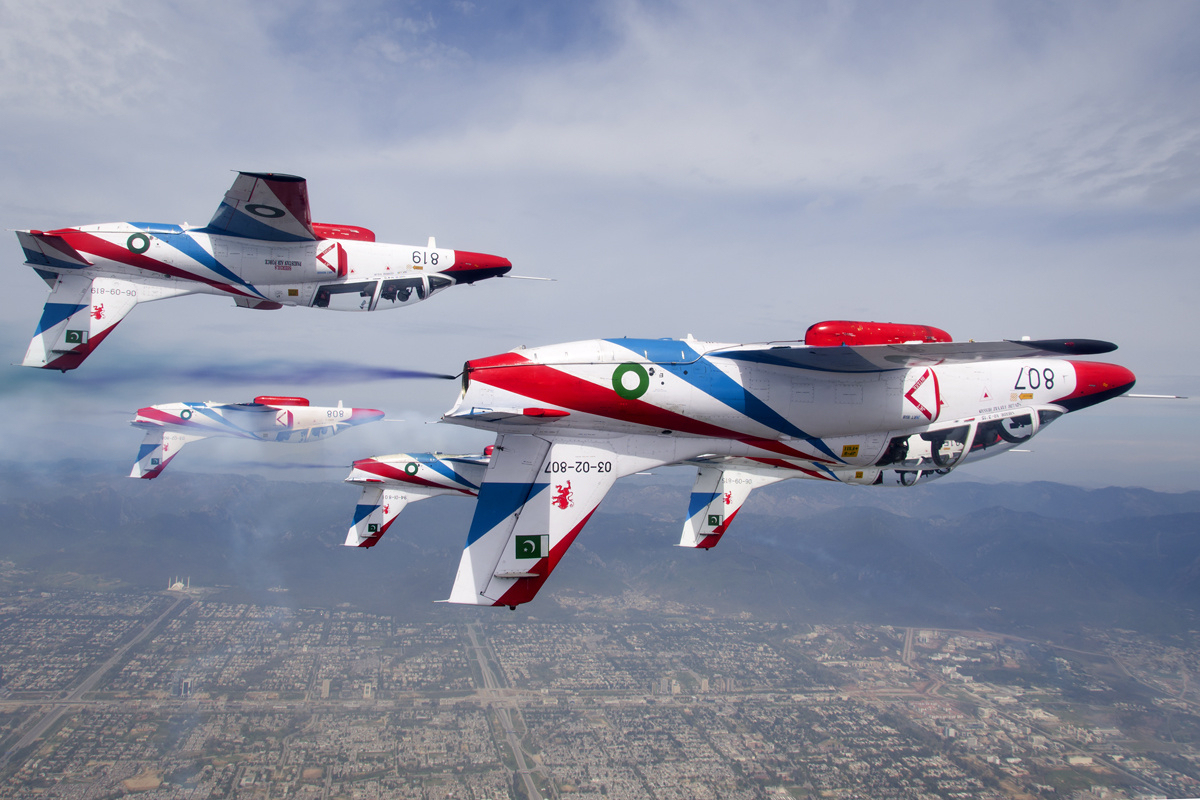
[946,100]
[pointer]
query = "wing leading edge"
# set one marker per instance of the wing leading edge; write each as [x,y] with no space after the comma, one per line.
[883,357]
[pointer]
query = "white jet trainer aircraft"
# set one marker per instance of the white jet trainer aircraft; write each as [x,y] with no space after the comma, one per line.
[261,248]
[170,426]
[870,404]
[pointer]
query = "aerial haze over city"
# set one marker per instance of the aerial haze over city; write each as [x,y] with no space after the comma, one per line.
[847,643]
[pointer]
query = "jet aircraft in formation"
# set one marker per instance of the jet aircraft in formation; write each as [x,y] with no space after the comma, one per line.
[872,404]
[170,426]
[261,248]
[869,404]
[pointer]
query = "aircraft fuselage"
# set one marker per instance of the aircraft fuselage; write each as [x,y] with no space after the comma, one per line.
[724,393]
[342,274]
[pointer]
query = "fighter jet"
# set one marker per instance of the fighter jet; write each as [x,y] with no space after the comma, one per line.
[260,248]
[868,404]
[170,426]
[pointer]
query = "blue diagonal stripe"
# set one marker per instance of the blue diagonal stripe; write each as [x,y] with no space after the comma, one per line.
[54,313]
[361,512]
[496,502]
[444,469]
[185,244]
[679,359]
[200,408]
[699,502]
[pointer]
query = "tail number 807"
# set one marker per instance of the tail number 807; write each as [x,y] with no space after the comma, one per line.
[577,467]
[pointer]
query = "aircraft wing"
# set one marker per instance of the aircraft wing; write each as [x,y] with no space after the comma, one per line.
[883,357]
[537,494]
[157,450]
[253,408]
[264,205]
[79,313]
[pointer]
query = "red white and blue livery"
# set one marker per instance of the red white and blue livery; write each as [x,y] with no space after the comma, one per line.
[261,249]
[170,426]
[869,404]
[389,483]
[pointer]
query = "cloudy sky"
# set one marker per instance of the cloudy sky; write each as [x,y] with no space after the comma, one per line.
[734,171]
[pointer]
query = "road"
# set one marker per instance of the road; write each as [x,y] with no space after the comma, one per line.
[86,685]
[491,686]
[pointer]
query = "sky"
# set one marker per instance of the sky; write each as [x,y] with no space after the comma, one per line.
[733,171]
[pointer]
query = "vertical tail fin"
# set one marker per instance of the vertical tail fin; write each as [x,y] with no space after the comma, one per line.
[157,450]
[376,510]
[79,313]
[536,496]
[717,496]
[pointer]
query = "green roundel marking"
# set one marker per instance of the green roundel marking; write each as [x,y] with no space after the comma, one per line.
[186,413]
[622,389]
[138,243]
[411,468]
[260,210]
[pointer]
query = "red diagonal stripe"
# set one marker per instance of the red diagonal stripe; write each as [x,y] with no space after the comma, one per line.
[103,248]
[388,471]
[512,372]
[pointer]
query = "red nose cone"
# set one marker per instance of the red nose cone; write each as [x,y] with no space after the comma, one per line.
[1095,383]
[470,267]
[363,415]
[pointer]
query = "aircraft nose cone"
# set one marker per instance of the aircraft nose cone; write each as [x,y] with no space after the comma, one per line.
[360,416]
[1096,382]
[470,267]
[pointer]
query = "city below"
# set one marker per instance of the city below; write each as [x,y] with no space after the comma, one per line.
[177,694]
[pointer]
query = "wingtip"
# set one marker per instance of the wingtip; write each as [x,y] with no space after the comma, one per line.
[1068,347]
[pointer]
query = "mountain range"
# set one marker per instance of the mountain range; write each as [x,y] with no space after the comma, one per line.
[1006,556]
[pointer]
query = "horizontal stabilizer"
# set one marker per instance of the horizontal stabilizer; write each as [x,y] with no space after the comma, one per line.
[884,357]
[157,450]
[49,250]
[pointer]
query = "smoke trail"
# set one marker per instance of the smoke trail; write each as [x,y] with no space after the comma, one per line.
[286,465]
[254,373]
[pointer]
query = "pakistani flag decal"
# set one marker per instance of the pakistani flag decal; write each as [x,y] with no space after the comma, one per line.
[714,520]
[533,546]
[372,527]
[76,337]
